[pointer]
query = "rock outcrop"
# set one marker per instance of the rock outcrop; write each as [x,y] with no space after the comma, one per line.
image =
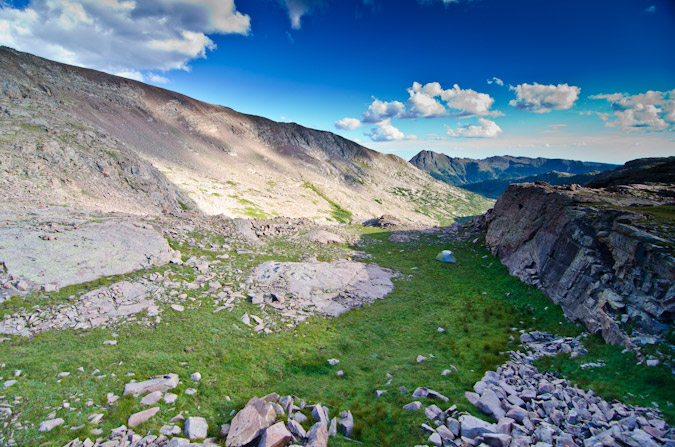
[600,254]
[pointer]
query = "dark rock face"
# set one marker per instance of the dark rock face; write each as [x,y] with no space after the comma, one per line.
[595,253]
[643,170]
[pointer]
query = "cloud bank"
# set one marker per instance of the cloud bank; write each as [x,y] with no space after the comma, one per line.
[121,37]
[650,111]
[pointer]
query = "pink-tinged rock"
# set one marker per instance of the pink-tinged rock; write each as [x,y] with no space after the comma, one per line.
[318,435]
[250,422]
[275,436]
[137,419]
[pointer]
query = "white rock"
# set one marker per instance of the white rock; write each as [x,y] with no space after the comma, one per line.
[170,398]
[50,425]
[177,307]
[196,376]
[152,398]
[195,428]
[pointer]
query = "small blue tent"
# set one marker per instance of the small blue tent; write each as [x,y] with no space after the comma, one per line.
[445,256]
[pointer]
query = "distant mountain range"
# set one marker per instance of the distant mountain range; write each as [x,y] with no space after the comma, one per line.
[85,139]
[491,176]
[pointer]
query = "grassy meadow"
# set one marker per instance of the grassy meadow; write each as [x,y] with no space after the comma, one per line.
[478,304]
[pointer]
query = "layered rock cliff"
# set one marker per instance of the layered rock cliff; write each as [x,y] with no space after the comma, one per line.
[606,256]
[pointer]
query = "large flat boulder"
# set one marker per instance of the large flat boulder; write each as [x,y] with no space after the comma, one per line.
[55,250]
[330,288]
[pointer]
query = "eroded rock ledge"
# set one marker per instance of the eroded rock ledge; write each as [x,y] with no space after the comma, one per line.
[596,252]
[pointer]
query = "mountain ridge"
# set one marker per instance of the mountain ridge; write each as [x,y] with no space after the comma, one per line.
[499,171]
[212,157]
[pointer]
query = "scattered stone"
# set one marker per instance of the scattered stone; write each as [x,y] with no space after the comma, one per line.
[275,436]
[177,307]
[333,362]
[195,428]
[196,377]
[413,406]
[250,422]
[137,419]
[170,398]
[157,383]
[421,358]
[152,398]
[49,425]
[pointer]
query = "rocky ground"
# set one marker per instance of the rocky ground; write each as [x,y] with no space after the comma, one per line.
[541,409]
[272,276]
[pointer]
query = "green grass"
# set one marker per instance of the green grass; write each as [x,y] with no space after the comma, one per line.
[339,214]
[468,299]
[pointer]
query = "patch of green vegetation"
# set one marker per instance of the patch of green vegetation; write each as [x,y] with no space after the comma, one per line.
[378,201]
[216,194]
[339,214]
[480,306]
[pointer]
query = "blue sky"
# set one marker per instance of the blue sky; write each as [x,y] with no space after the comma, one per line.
[590,80]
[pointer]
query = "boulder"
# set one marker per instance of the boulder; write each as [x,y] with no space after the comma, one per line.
[137,419]
[195,428]
[49,425]
[157,383]
[346,423]
[250,422]
[317,435]
[472,427]
[275,436]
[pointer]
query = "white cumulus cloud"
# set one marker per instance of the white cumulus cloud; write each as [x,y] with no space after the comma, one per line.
[120,37]
[385,131]
[541,98]
[381,110]
[485,129]
[652,110]
[348,124]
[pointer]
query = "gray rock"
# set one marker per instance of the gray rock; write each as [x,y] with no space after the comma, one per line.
[472,427]
[346,423]
[275,436]
[317,435]
[489,404]
[196,376]
[195,428]
[320,414]
[497,439]
[250,422]
[296,430]
[157,383]
[137,419]
[433,412]
[49,425]
[435,439]
[420,393]
[413,406]
[445,433]
[152,398]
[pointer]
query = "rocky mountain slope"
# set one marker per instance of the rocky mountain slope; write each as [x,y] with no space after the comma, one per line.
[604,254]
[77,137]
[490,176]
